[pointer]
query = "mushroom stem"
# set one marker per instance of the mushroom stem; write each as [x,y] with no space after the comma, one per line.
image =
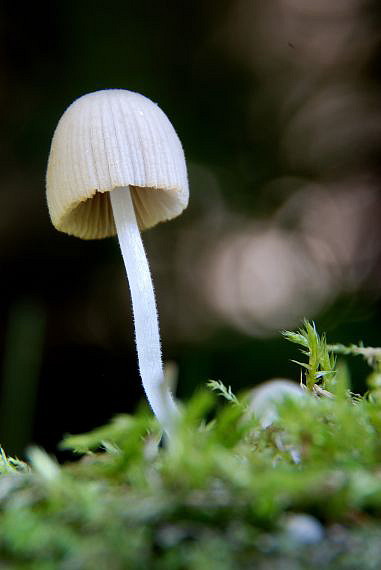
[144,309]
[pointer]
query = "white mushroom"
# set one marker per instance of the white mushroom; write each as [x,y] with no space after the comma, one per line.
[264,402]
[265,398]
[117,165]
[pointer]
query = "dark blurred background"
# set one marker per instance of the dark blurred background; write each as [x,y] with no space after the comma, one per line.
[277,106]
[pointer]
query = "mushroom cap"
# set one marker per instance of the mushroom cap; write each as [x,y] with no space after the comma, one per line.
[110,139]
[266,397]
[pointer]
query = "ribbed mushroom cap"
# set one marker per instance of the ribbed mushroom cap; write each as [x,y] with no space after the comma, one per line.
[110,139]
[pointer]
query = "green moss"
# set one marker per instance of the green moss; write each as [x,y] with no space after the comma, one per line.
[225,493]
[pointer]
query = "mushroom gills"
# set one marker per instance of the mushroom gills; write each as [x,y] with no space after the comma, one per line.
[144,309]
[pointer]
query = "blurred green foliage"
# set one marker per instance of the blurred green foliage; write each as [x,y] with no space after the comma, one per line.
[20,373]
[305,492]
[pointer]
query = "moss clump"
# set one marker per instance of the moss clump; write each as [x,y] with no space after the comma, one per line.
[227,493]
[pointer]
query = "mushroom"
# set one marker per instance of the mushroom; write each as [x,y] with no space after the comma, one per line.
[116,165]
[265,398]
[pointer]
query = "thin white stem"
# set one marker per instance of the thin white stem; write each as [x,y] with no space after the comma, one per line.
[144,309]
